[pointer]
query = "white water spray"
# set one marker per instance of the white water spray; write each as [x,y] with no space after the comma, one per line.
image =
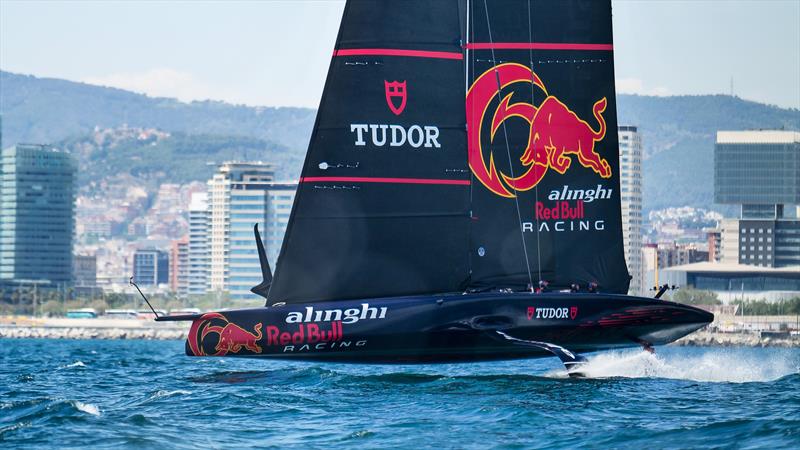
[88,408]
[718,365]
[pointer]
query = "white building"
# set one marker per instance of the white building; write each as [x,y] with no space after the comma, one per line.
[280,198]
[630,163]
[242,195]
[729,241]
[198,260]
[236,202]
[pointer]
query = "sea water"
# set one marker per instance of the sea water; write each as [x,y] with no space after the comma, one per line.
[147,394]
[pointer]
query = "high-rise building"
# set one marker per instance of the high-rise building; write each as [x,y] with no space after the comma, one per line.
[150,267]
[198,260]
[242,195]
[84,269]
[37,210]
[178,266]
[237,201]
[280,198]
[760,172]
[630,180]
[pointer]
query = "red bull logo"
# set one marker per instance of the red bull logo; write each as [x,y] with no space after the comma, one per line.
[231,338]
[556,132]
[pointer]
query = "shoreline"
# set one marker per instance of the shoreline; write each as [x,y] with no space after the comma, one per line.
[104,333]
[20,327]
[139,329]
[732,339]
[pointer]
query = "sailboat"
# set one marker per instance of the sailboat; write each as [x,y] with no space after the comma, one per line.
[459,200]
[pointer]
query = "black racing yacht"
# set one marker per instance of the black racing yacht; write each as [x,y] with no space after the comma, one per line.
[459,200]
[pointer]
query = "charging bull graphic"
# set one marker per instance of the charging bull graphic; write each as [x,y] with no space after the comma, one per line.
[231,337]
[555,134]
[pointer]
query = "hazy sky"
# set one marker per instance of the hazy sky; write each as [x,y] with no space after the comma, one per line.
[277,52]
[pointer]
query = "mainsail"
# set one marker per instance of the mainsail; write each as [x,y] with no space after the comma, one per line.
[460,145]
[543,144]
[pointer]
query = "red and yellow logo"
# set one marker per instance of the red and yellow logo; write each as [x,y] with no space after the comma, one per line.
[231,338]
[555,131]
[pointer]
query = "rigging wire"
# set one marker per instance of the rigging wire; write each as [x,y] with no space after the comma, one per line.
[508,150]
[530,56]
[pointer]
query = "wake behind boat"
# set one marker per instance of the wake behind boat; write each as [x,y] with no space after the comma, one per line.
[460,198]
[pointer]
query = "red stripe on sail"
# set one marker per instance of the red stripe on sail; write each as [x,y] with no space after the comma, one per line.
[537,46]
[397,52]
[384,180]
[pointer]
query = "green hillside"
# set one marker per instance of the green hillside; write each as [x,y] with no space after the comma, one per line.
[47,110]
[678,132]
[177,158]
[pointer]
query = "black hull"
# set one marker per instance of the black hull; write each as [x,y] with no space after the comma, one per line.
[445,328]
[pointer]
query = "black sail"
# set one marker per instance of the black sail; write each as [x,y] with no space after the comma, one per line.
[460,144]
[382,208]
[543,145]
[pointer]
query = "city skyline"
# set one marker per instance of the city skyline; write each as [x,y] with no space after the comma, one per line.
[243,53]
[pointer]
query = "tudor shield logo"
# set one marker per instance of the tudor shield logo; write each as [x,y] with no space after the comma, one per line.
[395,96]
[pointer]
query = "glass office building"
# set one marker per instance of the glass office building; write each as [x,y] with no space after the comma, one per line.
[760,172]
[151,267]
[37,210]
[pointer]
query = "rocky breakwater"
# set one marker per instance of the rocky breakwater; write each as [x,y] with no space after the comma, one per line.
[32,328]
[743,339]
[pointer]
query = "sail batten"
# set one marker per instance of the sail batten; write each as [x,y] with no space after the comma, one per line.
[398,52]
[386,180]
[538,46]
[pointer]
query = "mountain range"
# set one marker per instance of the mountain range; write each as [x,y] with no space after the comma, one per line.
[678,132]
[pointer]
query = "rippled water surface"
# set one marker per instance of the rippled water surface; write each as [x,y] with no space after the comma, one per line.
[147,394]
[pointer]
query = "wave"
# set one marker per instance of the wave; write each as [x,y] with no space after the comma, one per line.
[165,394]
[21,413]
[88,408]
[78,363]
[715,366]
